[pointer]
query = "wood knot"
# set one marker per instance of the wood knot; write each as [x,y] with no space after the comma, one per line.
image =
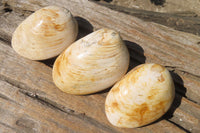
[27,125]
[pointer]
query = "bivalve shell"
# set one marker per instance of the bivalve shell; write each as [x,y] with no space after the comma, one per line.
[92,63]
[45,33]
[141,97]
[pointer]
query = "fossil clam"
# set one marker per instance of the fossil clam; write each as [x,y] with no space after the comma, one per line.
[140,97]
[45,33]
[92,63]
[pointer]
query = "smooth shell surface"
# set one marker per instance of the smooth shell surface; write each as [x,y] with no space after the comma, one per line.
[92,63]
[45,33]
[141,97]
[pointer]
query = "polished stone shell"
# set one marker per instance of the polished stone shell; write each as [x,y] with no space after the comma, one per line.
[141,97]
[45,33]
[92,63]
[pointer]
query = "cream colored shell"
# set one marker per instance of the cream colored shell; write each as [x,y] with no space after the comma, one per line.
[141,97]
[45,33]
[92,63]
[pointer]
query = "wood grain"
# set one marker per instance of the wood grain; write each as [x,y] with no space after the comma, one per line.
[27,85]
[185,20]
[25,114]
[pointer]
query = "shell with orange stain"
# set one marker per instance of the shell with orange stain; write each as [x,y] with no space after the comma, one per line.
[141,97]
[45,33]
[92,63]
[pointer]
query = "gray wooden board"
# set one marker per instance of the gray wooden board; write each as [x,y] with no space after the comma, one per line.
[27,85]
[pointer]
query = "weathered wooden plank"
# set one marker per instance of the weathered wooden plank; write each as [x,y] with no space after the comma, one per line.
[34,79]
[155,43]
[186,21]
[20,113]
[187,114]
[6,129]
[169,6]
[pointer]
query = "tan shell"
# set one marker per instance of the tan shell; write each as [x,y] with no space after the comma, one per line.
[92,63]
[45,33]
[141,97]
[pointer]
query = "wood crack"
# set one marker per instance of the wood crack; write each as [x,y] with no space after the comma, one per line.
[187,131]
[8,99]
[68,111]
[5,125]
[14,82]
[8,8]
